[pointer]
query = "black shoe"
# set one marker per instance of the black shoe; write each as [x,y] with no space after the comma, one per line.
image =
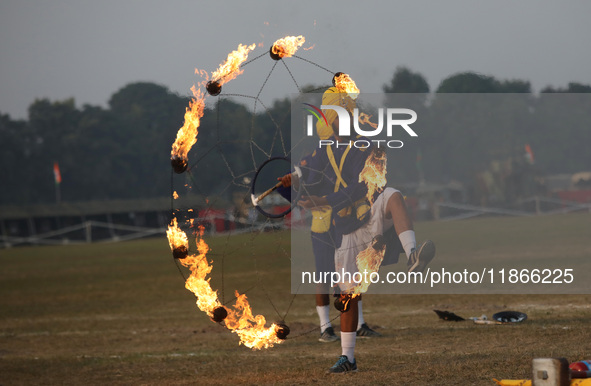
[366,332]
[328,336]
[421,256]
[343,366]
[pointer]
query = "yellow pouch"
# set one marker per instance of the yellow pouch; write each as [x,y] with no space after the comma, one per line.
[321,219]
[344,212]
[361,207]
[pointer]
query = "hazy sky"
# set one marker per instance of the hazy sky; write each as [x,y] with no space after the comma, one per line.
[89,49]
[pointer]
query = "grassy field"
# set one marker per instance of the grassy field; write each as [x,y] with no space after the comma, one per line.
[119,314]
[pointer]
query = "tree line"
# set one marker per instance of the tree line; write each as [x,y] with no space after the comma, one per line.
[123,151]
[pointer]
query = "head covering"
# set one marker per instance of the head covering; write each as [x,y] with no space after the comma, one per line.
[332,97]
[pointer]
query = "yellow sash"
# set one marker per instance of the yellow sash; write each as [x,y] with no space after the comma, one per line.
[321,216]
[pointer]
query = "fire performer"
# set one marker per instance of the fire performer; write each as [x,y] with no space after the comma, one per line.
[322,175]
[355,223]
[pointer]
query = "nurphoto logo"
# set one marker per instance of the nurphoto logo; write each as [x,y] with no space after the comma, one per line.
[395,117]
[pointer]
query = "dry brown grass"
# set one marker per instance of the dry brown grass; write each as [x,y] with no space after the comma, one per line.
[119,314]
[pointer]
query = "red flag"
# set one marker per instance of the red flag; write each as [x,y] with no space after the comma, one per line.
[529,154]
[56,173]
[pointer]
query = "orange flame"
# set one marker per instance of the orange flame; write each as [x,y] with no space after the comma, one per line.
[251,329]
[230,69]
[197,282]
[366,120]
[368,262]
[240,320]
[345,84]
[176,237]
[203,74]
[186,137]
[287,46]
[374,173]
